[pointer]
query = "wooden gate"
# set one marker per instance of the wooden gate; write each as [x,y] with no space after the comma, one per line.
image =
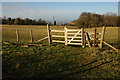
[74,37]
[70,37]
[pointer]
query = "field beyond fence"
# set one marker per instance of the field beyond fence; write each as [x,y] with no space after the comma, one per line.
[38,32]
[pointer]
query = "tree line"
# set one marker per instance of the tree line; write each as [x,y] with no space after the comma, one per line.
[87,19]
[19,21]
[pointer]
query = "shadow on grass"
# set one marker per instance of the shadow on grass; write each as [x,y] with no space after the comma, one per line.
[72,71]
[90,68]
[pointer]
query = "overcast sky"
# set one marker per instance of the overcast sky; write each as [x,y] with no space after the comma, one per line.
[62,11]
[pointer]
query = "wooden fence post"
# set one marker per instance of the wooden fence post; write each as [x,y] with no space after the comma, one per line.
[95,30]
[17,35]
[102,36]
[66,36]
[31,36]
[83,38]
[49,34]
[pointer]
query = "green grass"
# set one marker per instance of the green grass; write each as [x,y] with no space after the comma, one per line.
[59,61]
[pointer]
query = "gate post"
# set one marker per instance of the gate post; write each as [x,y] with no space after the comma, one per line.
[95,32]
[102,36]
[49,34]
[83,38]
[17,34]
[66,36]
[31,36]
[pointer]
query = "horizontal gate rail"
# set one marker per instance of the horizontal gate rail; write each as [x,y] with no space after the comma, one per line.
[75,43]
[74,30]
[58,41]
[73,36]
[76,40]
[58,36]
[57,31]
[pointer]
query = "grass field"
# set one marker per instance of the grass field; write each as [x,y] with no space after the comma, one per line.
[9,32]
[57,61]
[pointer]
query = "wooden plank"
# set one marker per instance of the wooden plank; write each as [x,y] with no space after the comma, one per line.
[111,46]
[73,29]
[76,40]
[88,39]
[74,33]
[66,36]
[75,43]
[57,31]
[42,39]
[49,34]
[102,36]
[58,41]
[31,36]
[58,36]
[74,36]
[17,34]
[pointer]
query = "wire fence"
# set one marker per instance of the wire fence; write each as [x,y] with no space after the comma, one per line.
[22,35]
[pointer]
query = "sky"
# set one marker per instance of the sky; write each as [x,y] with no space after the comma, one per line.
[60,0]
[62,11]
